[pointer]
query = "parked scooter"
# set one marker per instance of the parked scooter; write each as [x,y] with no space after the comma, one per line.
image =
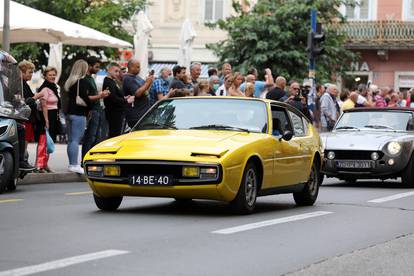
[12,111]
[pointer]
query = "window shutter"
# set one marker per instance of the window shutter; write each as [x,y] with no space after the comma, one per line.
[219,10]
[350,12]
[364,9]
[208,11]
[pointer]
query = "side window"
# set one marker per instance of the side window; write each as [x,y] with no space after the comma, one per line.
[280,121]
[297,123]
[305,125]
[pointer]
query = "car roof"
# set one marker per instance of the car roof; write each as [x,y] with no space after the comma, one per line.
[385,109]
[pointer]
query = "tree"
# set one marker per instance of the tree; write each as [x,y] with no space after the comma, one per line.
[274,35]
[106,16]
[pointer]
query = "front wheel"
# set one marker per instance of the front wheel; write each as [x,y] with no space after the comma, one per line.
[7,179]
[107,203]
[245,200]
[309,194]
[407,176]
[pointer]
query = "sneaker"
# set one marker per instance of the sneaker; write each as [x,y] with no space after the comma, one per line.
[25,166]
[76,169]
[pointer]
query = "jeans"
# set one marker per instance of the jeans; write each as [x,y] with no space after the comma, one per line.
[96,131]
[76,128]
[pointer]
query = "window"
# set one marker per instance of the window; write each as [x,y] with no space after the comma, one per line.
[361,10]
[408,9]
[280,121]
[297,123]
[214,10]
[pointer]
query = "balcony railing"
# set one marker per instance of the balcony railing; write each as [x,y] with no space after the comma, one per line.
[389,34]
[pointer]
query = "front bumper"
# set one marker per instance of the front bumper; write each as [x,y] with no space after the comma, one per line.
[224,187]
[382,168]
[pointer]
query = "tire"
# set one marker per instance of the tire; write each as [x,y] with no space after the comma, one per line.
[407,175]
[309,194]
[245,200]
[107,203]
[7,179]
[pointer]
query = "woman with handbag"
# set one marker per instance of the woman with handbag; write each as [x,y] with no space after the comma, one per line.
[49,121]
[78,107]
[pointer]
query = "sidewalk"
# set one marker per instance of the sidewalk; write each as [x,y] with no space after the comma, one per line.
[58,163]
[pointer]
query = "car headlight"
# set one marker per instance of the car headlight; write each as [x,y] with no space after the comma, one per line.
[189,171]
[94,171]
[331,155]
[375,156]
[394,148]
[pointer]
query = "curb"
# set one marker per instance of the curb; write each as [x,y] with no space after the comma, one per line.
[44,178]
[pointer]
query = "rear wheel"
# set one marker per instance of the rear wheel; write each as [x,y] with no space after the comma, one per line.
[107,203]
[407,176]
[7,179]
[245,200]
[309,194]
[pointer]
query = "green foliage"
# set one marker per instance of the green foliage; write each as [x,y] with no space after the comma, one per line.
[103,15]
[274,35]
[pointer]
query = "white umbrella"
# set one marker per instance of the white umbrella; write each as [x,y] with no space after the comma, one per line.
[187,37]
[31,25]
[143,28]
[55,58]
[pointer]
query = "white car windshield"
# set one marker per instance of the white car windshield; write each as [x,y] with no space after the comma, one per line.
[203,113]
[377,120]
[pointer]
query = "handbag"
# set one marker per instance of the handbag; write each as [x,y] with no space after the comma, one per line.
[50,145]
[79,100]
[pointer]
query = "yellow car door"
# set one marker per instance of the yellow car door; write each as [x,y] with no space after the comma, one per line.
[285,153]
[304,142]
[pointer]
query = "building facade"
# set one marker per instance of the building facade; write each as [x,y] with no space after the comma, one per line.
[167,17]
[382,33]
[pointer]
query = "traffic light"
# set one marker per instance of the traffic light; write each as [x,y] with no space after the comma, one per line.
[315,41]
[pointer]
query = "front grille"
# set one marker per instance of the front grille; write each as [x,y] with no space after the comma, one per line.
[130,168]
[353,154]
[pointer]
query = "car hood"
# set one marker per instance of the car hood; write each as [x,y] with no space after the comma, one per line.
[359,140]
[172,144]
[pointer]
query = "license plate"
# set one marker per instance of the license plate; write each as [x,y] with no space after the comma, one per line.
[151,180]
[353,164]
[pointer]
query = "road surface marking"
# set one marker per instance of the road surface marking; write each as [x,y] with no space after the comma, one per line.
[393,197]
[266,223]
[10,200]
[28,270]
[79,193]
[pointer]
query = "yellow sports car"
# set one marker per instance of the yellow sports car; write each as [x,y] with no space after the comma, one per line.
[221,148]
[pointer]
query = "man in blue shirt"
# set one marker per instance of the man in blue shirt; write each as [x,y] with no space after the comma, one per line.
[134,85]
[160,86]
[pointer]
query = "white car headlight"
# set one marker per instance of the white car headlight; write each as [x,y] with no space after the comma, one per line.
[394,148]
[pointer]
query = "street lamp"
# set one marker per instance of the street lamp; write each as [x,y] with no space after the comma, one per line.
[6,26]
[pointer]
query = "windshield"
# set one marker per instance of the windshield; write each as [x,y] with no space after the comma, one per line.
[221,114]
[379,120]
[12,103]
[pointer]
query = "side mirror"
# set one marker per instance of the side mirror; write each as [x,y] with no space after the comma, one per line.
[287,136]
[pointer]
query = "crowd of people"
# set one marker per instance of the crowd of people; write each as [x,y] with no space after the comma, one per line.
[92,116]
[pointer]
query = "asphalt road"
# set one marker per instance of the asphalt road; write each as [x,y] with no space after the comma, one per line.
[55,229]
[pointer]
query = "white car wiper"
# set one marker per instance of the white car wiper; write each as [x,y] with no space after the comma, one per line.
[379,127]
[220,127]
[346,127]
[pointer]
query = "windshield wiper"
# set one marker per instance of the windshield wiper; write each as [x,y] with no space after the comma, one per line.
[156,126]
[378,127]
[346,127]
[221,127]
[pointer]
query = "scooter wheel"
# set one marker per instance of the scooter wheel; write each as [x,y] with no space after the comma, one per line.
[7,179]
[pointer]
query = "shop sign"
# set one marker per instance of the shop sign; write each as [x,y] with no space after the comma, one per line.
[363,67]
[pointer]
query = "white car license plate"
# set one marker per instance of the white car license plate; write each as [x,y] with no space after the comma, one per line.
[151,180]
[353,164]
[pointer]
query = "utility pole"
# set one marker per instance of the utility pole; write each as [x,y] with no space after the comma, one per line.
[6,26]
